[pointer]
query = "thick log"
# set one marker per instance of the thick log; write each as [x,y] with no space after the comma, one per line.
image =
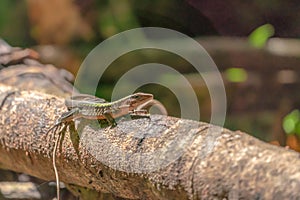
[161,158]
[196,160]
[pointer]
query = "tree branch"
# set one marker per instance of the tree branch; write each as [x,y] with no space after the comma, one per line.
[160,158]
[190,159]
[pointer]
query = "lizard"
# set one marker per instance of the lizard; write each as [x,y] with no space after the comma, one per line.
[90,107]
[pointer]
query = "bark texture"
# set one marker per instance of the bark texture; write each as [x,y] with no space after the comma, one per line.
[160,158]
[185,160]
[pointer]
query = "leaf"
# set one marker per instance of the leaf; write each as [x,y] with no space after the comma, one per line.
[236,74]
[291,121]
[260,35]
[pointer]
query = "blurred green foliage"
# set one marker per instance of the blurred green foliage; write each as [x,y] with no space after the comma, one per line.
[236,74]
[14,24]
[106,18]
[5,16]
[116,16]
[291,123]
[260,35]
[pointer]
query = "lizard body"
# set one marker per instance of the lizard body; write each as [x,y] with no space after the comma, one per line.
[90,107]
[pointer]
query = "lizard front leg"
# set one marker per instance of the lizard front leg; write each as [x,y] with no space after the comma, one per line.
[108,116]
[137,114]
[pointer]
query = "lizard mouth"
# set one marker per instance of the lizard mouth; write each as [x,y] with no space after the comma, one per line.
[143,97]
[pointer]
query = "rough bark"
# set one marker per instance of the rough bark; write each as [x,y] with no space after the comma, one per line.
[212,162]
[203,161]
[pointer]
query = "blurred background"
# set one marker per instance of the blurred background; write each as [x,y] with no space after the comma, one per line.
[255,46]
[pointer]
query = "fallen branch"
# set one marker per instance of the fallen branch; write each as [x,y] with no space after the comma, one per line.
[161,158]
[193,159]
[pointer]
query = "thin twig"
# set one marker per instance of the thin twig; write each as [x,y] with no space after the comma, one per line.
[54,164]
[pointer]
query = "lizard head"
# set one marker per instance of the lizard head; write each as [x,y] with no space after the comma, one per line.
[139,98]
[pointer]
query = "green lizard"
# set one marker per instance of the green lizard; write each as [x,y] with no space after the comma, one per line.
[90,107]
